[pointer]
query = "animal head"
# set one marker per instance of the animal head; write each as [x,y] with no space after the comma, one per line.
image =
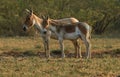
[29,20]
[45,23]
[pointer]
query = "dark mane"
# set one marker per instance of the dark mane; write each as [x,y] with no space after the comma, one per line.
[56,23]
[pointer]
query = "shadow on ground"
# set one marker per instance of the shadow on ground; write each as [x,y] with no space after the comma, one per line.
[111,53]
[57,54]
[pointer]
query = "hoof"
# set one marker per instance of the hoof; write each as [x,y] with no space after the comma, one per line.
[48,57]
[78,56]
[88,57]
[63,56]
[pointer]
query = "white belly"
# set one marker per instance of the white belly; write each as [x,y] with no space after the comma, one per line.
[71,36]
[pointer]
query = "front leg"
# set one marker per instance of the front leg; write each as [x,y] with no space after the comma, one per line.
[46,46]
[61,46]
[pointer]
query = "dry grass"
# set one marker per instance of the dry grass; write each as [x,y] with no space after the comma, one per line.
[25,57]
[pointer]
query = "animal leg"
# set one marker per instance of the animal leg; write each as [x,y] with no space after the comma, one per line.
[46,46]
[79,49]
[76,49]
[88,47]
[62,47]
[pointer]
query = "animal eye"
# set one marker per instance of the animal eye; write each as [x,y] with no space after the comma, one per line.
[28,18]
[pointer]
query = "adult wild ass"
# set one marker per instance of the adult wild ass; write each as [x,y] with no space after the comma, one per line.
[72,32]
[34,21]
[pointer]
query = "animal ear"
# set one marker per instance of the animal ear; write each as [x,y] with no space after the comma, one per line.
[43,17]
[29,11]
[47,17]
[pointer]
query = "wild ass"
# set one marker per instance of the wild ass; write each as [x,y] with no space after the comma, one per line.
[72,32]
[34,21]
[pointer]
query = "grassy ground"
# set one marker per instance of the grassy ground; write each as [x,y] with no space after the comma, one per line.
[25,57]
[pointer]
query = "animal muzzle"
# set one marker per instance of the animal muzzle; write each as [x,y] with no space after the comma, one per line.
[25,28]
[44,31]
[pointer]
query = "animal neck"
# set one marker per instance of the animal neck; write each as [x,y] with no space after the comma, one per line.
[37,23]
[52,26]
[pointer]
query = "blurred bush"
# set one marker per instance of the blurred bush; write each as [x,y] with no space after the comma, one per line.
[12,13]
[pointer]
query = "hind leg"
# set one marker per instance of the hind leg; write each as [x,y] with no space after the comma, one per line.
[77,48]
[88,47]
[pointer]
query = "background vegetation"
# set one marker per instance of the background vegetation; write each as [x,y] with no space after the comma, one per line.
[102,15]
[25,56]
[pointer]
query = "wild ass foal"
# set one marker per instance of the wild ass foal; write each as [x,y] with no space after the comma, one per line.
[34,21]
[72,32]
